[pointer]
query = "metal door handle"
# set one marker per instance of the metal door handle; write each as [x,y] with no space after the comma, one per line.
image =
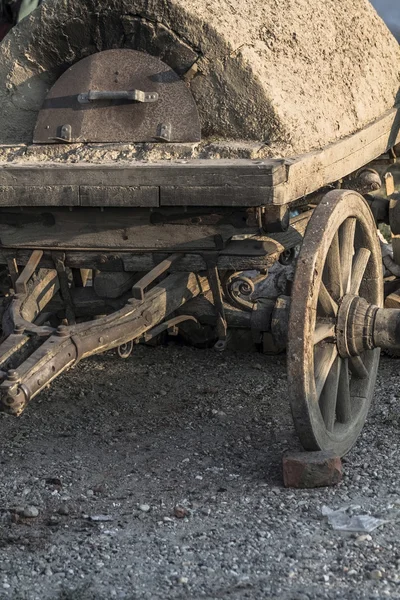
[132,96]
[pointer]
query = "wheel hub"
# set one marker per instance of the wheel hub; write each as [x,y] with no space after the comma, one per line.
[355,326]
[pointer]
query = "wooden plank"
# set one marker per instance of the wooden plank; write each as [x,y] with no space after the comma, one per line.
[119,195]
[190,173]
[228,195]
[196,262]
[30,267]
[145,261]
[135,238]
[393,300]
[119,229]
[310,172]
[40,195]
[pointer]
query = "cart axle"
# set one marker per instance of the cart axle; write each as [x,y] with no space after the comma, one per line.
[362,326]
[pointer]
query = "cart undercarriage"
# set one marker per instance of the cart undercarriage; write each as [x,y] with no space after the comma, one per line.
[102,256]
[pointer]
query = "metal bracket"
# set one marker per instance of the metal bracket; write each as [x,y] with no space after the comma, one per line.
[130,96]
[58,259]
[65,134]
[216,290]
[164,132]
[167,325]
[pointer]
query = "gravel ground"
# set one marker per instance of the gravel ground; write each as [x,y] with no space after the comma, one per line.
[180,449]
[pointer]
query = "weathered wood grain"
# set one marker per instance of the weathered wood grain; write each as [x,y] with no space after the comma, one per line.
[227,195]
[119,195]
[309,172]
[39,195]
[196,172]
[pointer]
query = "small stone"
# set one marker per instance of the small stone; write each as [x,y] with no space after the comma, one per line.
[90,493]
[55,481]
[218,413]
[53,520]
[311,469]
[63,510]
[364,538]
[199,477]
[6,585]
[144,508]
[31,512]
[181,512]
[168,520]
[183,580]
[376,574]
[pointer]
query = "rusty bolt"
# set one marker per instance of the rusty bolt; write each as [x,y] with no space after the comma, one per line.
[103,259]
[8,401]
[12,375]
[19,329]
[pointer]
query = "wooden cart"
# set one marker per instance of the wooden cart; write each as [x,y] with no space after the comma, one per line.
[147,247]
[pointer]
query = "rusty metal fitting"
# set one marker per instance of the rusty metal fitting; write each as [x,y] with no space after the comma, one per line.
[12,375]
[13,400]
[18,329]
[62,331]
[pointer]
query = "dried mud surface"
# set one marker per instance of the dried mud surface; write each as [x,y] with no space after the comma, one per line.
[131,440]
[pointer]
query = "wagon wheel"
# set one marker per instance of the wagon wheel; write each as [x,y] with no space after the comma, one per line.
[331,387]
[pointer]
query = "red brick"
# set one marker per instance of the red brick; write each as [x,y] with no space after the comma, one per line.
[311,469]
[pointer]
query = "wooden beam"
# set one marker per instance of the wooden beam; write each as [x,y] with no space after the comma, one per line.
[196,172]
[30,267]
[310,172]
[228,195]
[118,195]
[39,195]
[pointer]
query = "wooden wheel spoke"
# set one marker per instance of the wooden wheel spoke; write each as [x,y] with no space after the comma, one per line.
[324,331]
[343,407]
[357,367]
[324,357]
[327,303]
[346,239]
[329,394]
[359,265]
[333,271]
